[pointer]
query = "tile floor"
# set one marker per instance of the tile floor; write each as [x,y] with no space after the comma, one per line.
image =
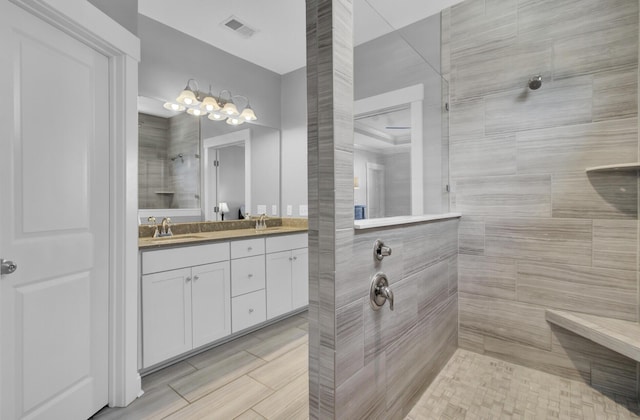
[264,376]
[474,386]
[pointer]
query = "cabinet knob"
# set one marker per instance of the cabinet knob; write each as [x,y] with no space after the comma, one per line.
[251,311]
[290,259]
[295,258]
[196,277]
[250,275]
[188,278]
[249,249]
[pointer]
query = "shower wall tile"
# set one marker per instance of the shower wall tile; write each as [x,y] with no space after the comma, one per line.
[432,288]
[487,276]
[520,195]
[565,241]
[471,235]
[598,291]
[579,249]
[522,109]
[363,394]
[597,51]
[508,320]
[349,340]
[615,94]
[483,156]
[595,195]
[576,368]
[574,148]
[615,244]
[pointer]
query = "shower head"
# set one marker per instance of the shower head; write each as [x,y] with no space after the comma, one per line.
[178,156]
[535,82]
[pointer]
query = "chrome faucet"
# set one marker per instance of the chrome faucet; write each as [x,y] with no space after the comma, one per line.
[261,223]
[166,227]
[152,224]
[380,292]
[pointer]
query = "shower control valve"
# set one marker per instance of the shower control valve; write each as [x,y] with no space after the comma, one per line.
[380,250]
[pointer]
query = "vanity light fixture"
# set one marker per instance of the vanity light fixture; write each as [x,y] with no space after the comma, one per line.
[224,107]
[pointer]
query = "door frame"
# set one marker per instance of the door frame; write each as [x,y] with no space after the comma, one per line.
[84,22]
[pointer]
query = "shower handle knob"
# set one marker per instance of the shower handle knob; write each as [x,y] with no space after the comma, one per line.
[380,250]
[380,292]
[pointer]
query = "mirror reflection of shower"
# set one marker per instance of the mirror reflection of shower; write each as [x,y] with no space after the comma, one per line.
[178,156]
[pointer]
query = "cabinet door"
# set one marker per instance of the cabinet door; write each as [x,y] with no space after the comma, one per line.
[166,315]
[211,302]
[300,278]
[278,283]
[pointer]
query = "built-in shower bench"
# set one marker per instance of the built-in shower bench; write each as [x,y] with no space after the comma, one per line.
[620,336]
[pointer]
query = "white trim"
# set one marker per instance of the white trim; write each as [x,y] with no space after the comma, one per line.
[414,96]
[401,220]
[143,214]
[84,22]
[238,137]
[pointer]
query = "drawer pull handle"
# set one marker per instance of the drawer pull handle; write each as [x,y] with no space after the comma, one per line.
[196,277]
[250,275]
[250,311]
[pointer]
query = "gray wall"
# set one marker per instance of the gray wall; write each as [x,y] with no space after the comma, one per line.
[125,12]
[170,58]
[365,364]
[538,232]
[294,140]
[231,173]
[265,169]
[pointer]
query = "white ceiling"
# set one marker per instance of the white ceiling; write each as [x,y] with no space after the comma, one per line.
[384,131]
[279,43]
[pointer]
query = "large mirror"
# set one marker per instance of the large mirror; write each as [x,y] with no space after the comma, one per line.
[400,122]
[191,168]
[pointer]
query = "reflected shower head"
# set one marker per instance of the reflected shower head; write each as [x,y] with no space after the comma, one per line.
[535,82]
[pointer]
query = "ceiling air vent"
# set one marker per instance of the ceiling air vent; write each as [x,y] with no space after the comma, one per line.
[237,26]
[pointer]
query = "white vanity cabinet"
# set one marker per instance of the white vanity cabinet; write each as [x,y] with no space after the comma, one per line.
[287,273]
[184,308]
[248,306]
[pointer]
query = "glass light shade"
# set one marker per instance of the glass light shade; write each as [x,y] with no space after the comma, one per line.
[224,207]
[248,114]
[230,109]
[209,104]
[173,107]
[187,97]
[216,116]
[234,121]
[195,112]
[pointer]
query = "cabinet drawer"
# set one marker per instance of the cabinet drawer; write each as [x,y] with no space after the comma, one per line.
[248,310]
[287,242]
[247,275]
[188,256]
[247,248]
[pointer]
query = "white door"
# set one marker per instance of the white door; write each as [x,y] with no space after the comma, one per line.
[54,213]
[375,191]
[278,283]
[211,302]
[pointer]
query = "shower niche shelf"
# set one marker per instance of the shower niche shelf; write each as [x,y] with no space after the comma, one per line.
[620,336]
[619,167]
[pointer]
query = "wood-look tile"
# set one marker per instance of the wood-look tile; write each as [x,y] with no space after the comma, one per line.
[598,291]
[594,51]
[615,244]
[487,276]
[166,375]
[279,343]
[615,94]
[279,372]
[363,394]
[157,403]
[289,402]
[269,331]
[422,247]
[209,379]
[249,415]
[519,195]
[227,402]
[504,319]
[474,33]
[469,339]
[574,148]
[349,340]
[471,235]
[573,345]
[483,156]
[432,288]
[453,274]
[221,352]
[595,195]
[565,241]
[522,109]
